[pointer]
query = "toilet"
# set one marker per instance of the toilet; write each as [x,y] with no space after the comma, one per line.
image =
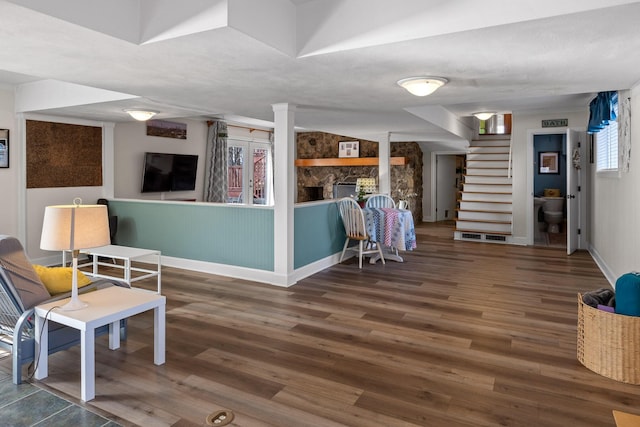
[553,213]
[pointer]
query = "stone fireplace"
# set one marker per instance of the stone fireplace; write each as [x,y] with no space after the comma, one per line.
[313,182]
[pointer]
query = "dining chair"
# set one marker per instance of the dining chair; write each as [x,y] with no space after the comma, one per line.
[355,229]
[380,201]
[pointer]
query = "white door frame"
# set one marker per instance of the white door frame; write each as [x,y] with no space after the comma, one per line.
[531,133]
[433,186]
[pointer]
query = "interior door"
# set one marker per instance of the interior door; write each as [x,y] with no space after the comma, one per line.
[446,190]
[573,189]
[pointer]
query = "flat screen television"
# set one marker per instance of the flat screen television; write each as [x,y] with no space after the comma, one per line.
[169,172]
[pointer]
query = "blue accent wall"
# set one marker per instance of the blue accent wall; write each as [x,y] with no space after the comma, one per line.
[551,142]
[239,236]
[318,232]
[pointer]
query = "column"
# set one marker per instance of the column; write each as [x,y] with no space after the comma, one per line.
[384,163]
[284,185]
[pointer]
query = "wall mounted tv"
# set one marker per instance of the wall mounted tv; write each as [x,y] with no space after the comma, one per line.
[169,172]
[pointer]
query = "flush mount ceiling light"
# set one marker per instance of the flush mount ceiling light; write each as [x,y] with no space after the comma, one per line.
[485,115]
[422,86]
[141,115]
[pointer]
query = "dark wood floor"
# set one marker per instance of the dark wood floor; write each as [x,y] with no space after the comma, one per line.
[460,334]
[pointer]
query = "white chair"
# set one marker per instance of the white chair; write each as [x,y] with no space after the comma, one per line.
[355,229]
[380,201]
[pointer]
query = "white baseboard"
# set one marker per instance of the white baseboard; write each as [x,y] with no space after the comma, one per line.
[608,274]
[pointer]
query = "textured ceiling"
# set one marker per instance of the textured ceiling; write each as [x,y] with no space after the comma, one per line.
[337,60]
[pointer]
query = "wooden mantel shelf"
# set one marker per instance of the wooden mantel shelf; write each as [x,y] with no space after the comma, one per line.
[348,161]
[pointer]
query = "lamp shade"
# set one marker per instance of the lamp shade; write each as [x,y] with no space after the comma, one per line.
[485,115]
[422,86]
[74,227]
[141,115]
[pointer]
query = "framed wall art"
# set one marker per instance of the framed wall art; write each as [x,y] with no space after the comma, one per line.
[167,129]
[349,149]
[548,162]
[4,148]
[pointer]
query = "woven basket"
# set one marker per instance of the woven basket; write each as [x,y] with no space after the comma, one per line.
[609,343]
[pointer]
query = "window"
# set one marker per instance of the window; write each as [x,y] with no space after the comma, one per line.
[249,172]
[607,145]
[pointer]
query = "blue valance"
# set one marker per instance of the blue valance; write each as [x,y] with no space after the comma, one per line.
[601,111]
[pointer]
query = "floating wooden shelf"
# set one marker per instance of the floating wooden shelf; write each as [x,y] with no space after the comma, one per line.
[348,161]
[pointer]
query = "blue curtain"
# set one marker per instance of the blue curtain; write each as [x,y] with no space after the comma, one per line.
[601,111]
[215,181]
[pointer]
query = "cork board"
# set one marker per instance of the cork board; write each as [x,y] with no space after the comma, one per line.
[63,155]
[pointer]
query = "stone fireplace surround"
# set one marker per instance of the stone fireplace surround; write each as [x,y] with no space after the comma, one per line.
[316,182]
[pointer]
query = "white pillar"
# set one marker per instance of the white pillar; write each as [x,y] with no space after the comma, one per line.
[284,185]
[384,163]
[108,160]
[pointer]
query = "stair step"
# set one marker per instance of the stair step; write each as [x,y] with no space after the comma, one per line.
[489,148]
[487,179]
[485,226]
[488,164]
[488,156]
[486,221]
[492,206]
[486,171]
[486,197]
[483,211]
[487,188]
[470,215]
[481,231]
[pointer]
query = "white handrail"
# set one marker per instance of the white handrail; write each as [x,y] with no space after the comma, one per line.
[509,164]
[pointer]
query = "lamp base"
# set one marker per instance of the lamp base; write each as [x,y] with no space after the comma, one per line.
[74,304]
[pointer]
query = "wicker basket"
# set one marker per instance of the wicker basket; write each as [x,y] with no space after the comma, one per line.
[609,343]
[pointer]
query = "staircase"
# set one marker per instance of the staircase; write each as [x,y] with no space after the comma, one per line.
[484,210]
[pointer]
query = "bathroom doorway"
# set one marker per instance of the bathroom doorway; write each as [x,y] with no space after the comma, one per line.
[557,159]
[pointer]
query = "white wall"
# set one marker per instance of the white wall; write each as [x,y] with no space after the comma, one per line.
[9,177]
[37,199]
[615,208]
[132,141]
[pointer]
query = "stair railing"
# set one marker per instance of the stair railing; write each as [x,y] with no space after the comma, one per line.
[509,164]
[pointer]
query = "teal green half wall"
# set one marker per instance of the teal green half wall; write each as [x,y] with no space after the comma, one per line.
[318,233]
[238,236]
[226,234]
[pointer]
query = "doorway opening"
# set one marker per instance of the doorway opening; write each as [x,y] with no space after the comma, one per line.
[556,211]
[550,190]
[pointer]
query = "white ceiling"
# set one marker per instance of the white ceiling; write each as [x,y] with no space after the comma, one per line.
[337,60]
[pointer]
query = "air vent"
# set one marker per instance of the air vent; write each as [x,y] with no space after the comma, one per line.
[495,238]
[474,236]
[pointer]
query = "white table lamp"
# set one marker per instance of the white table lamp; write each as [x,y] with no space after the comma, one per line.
[72,228]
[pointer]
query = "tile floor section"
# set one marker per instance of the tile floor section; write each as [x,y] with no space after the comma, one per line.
[27,405]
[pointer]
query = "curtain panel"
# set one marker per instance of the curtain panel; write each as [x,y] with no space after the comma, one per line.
[601,111]
[215,181]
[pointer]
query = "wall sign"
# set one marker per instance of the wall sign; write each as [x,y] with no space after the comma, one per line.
[554,123]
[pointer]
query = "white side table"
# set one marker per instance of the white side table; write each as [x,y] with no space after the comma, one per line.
[126,254]
[106,306]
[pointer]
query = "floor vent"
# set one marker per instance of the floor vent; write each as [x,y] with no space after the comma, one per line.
[495,238]
[475,236]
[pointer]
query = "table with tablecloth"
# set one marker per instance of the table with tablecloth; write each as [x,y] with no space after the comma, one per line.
[392,228]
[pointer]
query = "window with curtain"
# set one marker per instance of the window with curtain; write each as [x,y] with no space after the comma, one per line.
[249,172]
[607,145]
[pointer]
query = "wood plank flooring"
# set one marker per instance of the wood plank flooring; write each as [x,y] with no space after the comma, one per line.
[460,334]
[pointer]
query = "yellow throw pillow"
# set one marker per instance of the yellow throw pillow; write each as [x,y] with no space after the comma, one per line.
[58,279]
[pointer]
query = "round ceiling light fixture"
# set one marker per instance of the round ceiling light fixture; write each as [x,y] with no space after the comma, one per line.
[422,86]
[141,115]
[484,115]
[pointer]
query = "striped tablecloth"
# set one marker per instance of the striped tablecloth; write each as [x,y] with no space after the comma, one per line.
[391,227]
